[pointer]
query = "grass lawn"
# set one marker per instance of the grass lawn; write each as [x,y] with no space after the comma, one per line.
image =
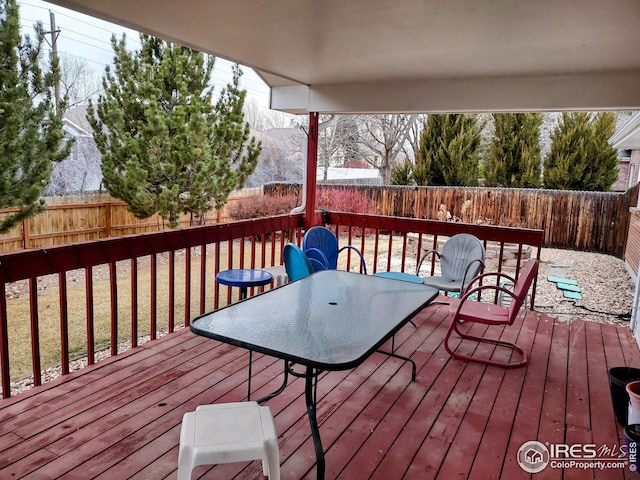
[49,304]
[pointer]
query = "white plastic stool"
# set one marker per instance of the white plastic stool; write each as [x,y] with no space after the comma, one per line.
[278,273]
[226,433]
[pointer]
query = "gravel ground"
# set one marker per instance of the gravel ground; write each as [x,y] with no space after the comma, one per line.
[606,287]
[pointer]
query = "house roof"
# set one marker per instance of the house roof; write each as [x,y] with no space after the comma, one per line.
[627,136]
[363,56]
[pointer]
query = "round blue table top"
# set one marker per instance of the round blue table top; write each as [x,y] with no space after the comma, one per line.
[244,277]
[405,277]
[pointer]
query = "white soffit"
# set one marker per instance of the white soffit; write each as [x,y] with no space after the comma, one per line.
[411,55]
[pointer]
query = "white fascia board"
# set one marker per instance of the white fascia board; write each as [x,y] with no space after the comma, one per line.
[291,99]
[588,92]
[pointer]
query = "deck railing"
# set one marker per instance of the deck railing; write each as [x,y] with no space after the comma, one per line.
[157,282]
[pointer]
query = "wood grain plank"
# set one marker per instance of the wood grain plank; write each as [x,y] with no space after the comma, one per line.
[458,420]
[603,425]
[554,401]
[578,421]
[490,456]
[527,419]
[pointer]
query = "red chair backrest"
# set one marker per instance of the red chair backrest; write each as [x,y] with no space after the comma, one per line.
[520,289]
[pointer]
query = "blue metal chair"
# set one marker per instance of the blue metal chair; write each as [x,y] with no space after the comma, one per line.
[296,263]
[321,246]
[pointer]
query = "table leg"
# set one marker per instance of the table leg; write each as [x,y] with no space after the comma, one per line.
[281,388]
[406,359]
[243,293]
[249,381]
[310,399]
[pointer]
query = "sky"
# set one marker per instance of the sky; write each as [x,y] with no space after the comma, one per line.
[88,38]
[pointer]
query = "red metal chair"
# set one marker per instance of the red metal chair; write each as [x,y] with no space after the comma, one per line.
[464,310]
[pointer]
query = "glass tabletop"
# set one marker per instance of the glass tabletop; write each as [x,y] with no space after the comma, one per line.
[331,320]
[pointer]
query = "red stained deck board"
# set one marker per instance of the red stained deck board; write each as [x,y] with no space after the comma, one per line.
[439,439]
[407,444]
[458,420]
[554,401]
[441,435]
[527,419]
[612,348]
[603,423]
[490,456]
[371,410]
[578,418]
[147,426]
[373,450]
[118,416]
[348,445]
[629,348]
[458,461]
[414,338]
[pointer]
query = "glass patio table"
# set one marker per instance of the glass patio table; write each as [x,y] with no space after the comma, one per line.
[330,320]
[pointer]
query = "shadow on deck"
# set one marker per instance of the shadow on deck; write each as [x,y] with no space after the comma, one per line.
[121,418]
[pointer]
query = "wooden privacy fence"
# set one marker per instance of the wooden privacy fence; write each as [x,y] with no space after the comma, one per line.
[588,221]
[92,217]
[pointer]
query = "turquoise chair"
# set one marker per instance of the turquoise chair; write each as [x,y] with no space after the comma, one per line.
[296,263]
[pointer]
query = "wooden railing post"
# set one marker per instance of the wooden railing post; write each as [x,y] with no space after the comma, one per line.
[5,377]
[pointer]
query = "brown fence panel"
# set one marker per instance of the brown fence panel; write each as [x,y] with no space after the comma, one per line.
[91,217]
[588,221]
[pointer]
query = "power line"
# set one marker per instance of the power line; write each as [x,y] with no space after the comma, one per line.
[221,75]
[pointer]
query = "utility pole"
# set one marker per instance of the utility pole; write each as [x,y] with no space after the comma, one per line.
[54,58]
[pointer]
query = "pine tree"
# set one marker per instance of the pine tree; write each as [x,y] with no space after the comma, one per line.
[448,151]
[31,135]
[514,159]
[581,157]
[402,174]
[167,148]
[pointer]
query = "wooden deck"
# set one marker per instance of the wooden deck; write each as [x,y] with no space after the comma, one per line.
[121,418]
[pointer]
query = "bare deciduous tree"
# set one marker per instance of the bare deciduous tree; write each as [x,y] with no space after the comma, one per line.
[281,159]
[78,81]
[384,138]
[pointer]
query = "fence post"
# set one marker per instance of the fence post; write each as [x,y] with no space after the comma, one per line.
[107,214]
[25,233]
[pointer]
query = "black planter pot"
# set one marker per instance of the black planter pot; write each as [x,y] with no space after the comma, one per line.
[618,379]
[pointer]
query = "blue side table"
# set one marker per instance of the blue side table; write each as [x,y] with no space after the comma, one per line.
[405,277]
[244,278]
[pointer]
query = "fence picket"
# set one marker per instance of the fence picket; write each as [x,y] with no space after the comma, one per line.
[589,221]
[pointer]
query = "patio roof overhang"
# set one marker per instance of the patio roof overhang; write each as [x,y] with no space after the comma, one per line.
[373,56]
[628,135]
